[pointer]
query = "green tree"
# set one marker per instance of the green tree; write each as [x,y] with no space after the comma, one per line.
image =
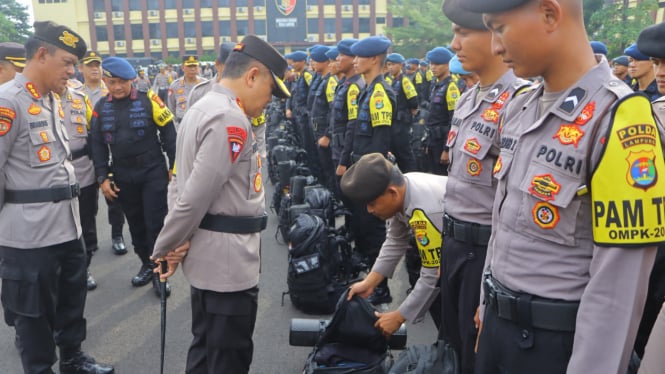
[14,25]
[423,27]
[617,24]
[591,7]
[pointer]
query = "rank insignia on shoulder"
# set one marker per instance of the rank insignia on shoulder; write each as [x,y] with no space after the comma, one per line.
[236,138]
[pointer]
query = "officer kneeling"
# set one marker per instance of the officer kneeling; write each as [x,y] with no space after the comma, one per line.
[414,201]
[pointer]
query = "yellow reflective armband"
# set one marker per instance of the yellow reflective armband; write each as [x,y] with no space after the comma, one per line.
[418,78]
[428,239]
[88,110]
[330,89]
[352,101]
[628,185]
[260,120]
[452,95]
[160,113]
[380,107]
[308,77]
[409,89]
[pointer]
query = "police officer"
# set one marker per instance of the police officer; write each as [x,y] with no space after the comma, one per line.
[473,149]
[180,88]
[161,83]
[142,83]
[296,105]
[563,291]
[371,133]
[413,204]
[42,258]
[12,60]
[443,99]
[641,71]
[220,208]
[620,68]
[204,87]
[407,107]
[126,127]
[95,89]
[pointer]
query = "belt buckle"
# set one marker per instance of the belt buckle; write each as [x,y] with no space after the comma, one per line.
[76,190]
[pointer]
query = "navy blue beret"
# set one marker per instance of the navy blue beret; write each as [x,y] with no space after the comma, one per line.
[318,53]
[371,46]
[439,55]
[491,6]
[599,47]
[651,41]
[116,67]
[635,53]
[413,61]
[396,58]
[462,17]
[621,60]
[424,62]
[456,67]
[297,56]
[344,46]
[332,53]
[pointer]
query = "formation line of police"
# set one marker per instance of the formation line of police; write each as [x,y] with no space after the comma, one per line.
[536,217]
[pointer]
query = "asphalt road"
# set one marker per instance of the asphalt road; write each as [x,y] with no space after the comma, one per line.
[124,322]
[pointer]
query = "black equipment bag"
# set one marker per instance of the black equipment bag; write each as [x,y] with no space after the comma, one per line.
[350,342]
[320,201]
[439,358]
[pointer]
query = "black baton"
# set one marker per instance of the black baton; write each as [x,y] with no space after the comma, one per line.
[162,296]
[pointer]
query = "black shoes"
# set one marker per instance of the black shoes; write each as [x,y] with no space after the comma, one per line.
[157,286]
[81,363]
[118,246]
[92,284]
[380,295]
[144,276]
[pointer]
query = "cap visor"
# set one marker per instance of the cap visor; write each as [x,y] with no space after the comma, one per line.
[18,64]
[280,90]
[191,63]
[92,60]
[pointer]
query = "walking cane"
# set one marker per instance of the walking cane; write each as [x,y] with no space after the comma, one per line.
[162,296]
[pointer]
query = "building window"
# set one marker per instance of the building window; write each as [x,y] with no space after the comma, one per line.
[363,2]
[329,26]
[205,4]
[347,25]
[137,31]
[152,5]
[134,5]
[329,2]
[116,5]
[260,27]
[224,27]
[102,34]
[97,5]
[241,2]
[381,20]
[154,30]
[170,4]
[398,21]
[363,25]
[312,25]
[171,30]
[206,28]
[242,27]
[224,3]
[190,29]
[188,4]
[119,32]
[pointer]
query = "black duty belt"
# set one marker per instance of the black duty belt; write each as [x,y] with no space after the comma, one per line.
[234,224]
[467,232]
[529,310]
[42,195]
[85,151]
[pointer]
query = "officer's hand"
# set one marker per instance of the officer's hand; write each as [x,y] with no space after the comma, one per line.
[288,114]
[362,289]
[324,142]
[170,175]
[444,158]
[173,259]
[110,190]
[389,322]
[341,169]
[479,327]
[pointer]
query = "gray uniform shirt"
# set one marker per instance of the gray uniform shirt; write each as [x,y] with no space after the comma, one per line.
[473,143]
[161,82]
[34,154]
[218,173]
[94,94]
[424,198]
[177,99]
[542,241]
[76,105]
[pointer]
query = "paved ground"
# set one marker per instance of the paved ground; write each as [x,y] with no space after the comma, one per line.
[124,322]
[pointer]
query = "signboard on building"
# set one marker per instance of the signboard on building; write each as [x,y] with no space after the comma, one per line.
[287,20]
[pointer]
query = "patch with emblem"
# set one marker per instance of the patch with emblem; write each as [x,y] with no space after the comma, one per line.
[44,136]
[258,182]
[181,99]
[61,112]
[474,167]
[378,103]
[68,39]
[183,106]
[501,101]
[158,100]
[472,146]
[569,134]
[34,109]
[490,115]
[642,169]
[33,90]
[498,165]
[236,137]
[44,153]
[452,134]
[7,116]
[586,115]
[637,135]
[5,126]
[180,91]
[77,104]
[544,187]
[79,129]
[545,215]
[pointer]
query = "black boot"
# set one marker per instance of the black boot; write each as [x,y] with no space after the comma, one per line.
[118,246]
[144,275]
[80,363]
[156,285]
[92,284]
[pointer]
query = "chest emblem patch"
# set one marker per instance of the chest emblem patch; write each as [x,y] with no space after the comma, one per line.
[545,215]
[472,146]
[44,153]
[544,187]
[474,167]
[642,169]
[569,134]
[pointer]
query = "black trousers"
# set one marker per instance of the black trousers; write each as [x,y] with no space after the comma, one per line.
[654,302]
[401,146]
[43,297]
[222,325]
[143,199]
[116,217]
[327,167]
[88,206]
[434,151]
[461,279]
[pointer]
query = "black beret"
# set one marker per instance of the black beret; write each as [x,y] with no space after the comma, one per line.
[61,37]
[491,6]
[651,41]
[260,50]
[367,179]
[13,52]
[225,50]
[464,18]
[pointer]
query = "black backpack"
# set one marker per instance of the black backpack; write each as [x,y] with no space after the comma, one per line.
[439,358]
[350,342]
[320,201]
[312,266]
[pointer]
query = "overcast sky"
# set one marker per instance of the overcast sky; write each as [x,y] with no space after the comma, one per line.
[30,12]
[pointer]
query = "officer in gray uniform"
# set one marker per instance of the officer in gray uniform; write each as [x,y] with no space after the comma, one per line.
[161,83]
[412,203]
[568,261]
[220,206]
[12,60]
[181,87]
[202,88]
[42,258]
[473,143]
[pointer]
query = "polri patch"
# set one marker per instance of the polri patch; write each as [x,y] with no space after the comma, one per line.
[569,134]
[474,167]
[34,109]
[586,115]
[642,169]
[472,146]
[545,215]
[44,153]
[544,187]
[236,137]
[490,115]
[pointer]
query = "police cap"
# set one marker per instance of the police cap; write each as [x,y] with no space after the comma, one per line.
[263,52]
[13,52]
[456,67]
[439,55]
[332,53]
[318,53]
[225,50]
[344,46]
[424,62]
[491,6]
[621,60]
[462,17]
[297,56]
[395,58]
[598,47]
[117,67]
[367,179]
[189,60]
[635,53]
[91,56]
[651,41]
[60,36]
[371,46]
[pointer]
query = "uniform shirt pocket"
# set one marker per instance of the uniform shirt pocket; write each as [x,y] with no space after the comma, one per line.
[20,291]
[42,147]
